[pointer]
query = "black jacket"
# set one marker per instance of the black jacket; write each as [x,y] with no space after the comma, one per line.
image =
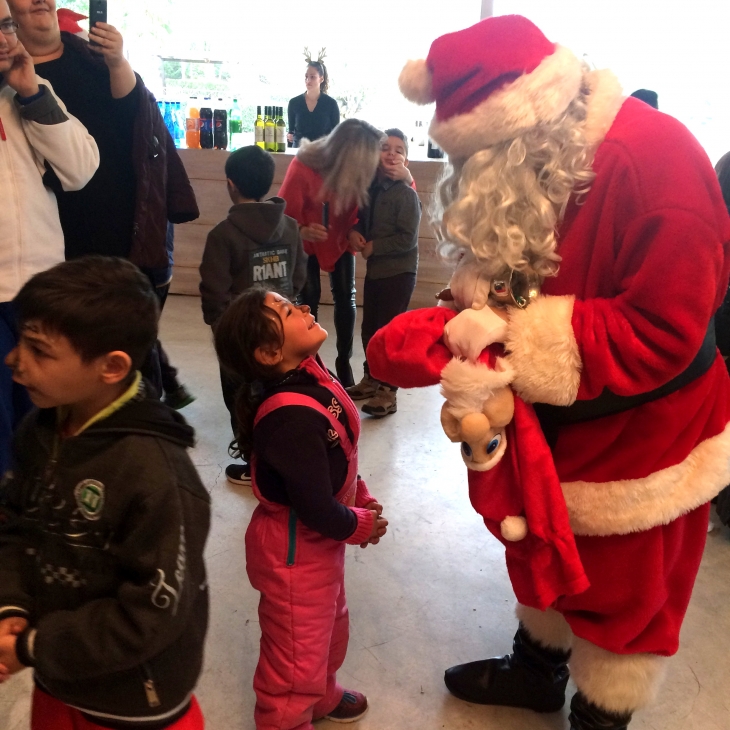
[163,191]
[101,549]
[256,244]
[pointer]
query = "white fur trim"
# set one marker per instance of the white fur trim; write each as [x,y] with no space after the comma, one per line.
[604,102]
[513,529]
[618,683]
[415,82]
[543,351]
[540,96]
[635,505]
[466,385]
[548,627]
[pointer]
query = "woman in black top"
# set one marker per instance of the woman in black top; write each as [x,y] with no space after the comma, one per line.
[313,114]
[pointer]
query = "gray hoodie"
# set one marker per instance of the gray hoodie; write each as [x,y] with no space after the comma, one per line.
[256,244]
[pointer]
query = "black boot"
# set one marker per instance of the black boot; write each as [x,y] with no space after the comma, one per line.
[584,715]
[532,677]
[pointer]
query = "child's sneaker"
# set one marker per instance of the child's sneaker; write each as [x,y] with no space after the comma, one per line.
[383,403]
[239,474]
[366,388]
[352,707]
[178,398]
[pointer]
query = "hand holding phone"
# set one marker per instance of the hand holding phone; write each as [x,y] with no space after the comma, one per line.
[97,14]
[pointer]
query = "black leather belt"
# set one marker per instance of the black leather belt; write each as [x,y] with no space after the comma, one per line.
[609,404]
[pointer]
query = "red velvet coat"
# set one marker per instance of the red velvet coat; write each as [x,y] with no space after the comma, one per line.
[644,268]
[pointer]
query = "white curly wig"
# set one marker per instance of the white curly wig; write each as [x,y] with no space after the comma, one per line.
[506,201]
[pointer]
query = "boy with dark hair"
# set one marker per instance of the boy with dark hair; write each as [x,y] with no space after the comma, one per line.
[103,519]
[387,236]
[256,244]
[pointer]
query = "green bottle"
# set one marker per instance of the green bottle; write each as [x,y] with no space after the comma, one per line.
[259,129]
[280,130]
[235,126]
[269,131]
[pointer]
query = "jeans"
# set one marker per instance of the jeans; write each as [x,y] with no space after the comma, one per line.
[342,284]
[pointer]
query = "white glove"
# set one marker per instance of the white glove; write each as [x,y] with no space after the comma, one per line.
[472,330]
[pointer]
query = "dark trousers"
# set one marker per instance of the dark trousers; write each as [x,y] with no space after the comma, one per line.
[14,399]
[229,386]
[157,368]
[383,300]
[342,284]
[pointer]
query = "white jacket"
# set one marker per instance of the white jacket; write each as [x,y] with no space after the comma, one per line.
[31,239]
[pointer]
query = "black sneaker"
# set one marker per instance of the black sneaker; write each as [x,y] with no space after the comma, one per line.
[178,398]
[239,474]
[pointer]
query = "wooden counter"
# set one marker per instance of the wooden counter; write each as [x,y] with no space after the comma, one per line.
[206,171]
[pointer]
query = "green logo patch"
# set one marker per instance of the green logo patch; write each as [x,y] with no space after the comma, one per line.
[90,498]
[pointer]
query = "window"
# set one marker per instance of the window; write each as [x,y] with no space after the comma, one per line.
[255,49]
[678,49]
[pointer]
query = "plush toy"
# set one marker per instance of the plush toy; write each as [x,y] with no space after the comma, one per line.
[512,480]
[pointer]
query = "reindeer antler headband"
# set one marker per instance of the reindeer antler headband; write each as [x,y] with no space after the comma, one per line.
[320,56]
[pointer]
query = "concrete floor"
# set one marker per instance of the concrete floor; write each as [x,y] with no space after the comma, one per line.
[434,593]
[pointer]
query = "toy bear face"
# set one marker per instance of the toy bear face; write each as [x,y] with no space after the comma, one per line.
[482,434]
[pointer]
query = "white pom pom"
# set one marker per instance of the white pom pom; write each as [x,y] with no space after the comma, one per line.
[415,82]
[513,529]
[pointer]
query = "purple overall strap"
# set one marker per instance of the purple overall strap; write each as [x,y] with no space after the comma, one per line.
[280,400]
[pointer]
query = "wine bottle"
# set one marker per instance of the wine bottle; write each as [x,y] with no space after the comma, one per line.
[280,130]
[259,129]
[270,131]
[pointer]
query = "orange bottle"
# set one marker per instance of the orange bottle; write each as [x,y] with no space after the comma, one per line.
[192,125]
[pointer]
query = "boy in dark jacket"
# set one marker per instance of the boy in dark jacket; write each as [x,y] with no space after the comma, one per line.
[256,244]
[387,236]
[103,519]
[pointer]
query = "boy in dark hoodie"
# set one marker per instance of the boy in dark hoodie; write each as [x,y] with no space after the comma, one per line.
[103,519]
[256,244]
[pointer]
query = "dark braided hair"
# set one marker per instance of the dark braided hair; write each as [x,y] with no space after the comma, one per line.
[321,69]
[246,325]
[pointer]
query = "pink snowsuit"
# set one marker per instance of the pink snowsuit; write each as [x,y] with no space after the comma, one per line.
[300,574]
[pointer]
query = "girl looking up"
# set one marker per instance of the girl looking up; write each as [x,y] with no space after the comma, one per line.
[299,431]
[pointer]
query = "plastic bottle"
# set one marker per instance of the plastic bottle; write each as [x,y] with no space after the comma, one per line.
[192,124]
[179,121]
[235,126]
[167,115]
[220,127]
[206,125]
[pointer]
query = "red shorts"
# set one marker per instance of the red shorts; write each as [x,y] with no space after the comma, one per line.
[48,713]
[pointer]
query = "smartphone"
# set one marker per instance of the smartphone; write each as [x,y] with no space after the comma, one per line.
[326,215]
[97,14]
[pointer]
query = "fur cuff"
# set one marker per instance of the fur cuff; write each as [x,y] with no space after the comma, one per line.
[635,505]
[618,683]
[534,98]
[543,351]
[466,385]
[548,627]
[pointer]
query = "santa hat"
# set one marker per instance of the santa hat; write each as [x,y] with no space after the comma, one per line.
[491,82]
[68,20]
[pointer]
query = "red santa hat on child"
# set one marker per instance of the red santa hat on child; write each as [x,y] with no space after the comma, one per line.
[491,82]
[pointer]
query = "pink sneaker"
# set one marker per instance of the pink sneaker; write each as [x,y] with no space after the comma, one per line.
[353,706]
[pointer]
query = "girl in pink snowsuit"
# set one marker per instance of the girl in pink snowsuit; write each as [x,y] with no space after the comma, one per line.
[300,430]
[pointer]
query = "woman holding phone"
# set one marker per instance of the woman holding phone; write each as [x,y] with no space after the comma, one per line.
[324,187]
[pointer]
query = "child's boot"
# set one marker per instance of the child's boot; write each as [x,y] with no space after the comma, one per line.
[584,715]
[383,403]
[352,708]
[366,388]
[532,677]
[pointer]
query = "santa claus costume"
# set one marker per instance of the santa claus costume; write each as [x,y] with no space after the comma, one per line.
[617,352]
